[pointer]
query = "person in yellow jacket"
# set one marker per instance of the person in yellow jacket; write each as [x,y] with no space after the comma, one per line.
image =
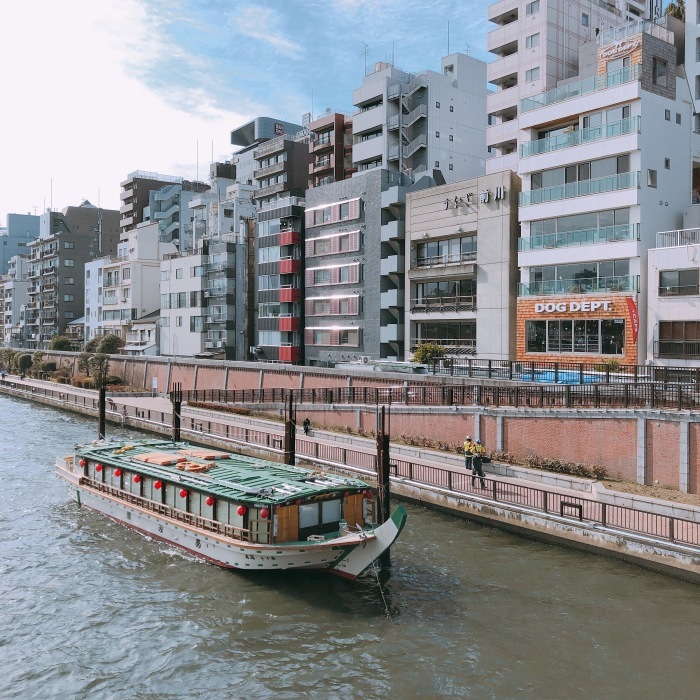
[468,452]
[478,452]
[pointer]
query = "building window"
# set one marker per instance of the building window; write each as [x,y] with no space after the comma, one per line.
[532,41]
[68,262]
[178,273]
[584,19]
[679,339]
[532,7]
[164,275]
[450,167]
[68,297]
[452,109]
[68,280]
[322,276]
[667,115]
[532,74]
[178,321]
[437,105]
[679,282]
[68,245]
[581,336]
[667,163]
[437,134]
[437,163]
[452,138]
[678,118]
[651,178]
[659,72]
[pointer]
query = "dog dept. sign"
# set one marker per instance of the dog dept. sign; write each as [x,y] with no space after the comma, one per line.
[563,306]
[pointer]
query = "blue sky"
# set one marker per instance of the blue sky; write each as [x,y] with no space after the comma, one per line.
[95,89]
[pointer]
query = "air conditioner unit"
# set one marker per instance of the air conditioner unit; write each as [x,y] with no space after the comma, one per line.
[365,359]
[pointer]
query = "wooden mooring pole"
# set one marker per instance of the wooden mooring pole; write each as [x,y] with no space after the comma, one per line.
[176,400]
[290,430]
[102,412]
[383,467]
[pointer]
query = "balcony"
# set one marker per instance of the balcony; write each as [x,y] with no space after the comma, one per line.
[677,349]
[215,292]
[443,304]
[49,253]
[289,353]
[582,136]
[393,333]
[393,265]
[216,318]
[680,291]
[289,324]
[626,283]
[593,236]
[33,290]
[446,259]
[272,146]
[582,87]
[599,185]
[110,301]
[289,266]
[52,270]
[289,294]
[269,170]
[290,237]
[673,239]
[264,192]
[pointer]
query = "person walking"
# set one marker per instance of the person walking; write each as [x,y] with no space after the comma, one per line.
[307,426]
[468,452]
[478,453]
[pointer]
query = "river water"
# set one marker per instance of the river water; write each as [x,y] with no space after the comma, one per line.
[90,609]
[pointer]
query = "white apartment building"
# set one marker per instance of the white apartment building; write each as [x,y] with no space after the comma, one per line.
[14,296]
[536,44]
[605,160]
[123,288]
[423,122]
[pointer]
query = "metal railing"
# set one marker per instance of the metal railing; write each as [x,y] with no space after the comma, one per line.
[673,239]
[591,236]
[444,303]
[581,136]
[581,87]
[589,285]
[446,259]
[582,188]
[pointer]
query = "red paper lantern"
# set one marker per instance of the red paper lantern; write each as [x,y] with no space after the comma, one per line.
[210,501]
[158,485]
[183,493]
[82,462]
[137,479]
[98,467]
[368,495]
[264,513]
[117,472]
[298,501]
[242,510]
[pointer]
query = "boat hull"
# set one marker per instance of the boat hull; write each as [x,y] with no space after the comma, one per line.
[347,556]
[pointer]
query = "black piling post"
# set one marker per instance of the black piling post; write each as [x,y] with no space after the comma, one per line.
[176,400]
[290,430]
[383,477]
[102,408]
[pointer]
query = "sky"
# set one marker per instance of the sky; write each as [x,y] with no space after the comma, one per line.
[92,90]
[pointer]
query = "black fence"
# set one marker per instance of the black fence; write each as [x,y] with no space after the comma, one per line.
[565,372]
[646,395]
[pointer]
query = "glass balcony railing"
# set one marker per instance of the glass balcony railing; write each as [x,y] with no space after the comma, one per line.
[582,136]
[581,87]
[598,185]
[591,236]
[589,285]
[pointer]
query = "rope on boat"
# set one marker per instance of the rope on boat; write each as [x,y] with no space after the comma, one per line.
[375,568]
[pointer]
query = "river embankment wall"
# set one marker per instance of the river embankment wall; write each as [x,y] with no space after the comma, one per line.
[655,447]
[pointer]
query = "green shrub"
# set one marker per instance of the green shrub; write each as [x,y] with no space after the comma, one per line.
[427,352]
[48,366]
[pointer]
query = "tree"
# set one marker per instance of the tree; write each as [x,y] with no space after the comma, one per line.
[99,367]
[8,357]
[91,345]
[24,362]
[60,342]
[676,9]
[84,363]
[427,352]
[110,344]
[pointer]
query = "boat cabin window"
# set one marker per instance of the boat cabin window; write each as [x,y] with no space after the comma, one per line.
[319,518]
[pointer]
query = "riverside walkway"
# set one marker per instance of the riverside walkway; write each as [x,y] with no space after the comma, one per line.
[428,476]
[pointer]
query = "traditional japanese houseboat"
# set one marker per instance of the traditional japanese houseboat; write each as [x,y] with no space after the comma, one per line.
[233,510]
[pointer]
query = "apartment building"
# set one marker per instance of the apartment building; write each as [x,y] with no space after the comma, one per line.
[417,123]
[136,196]
[462,267]
[14,296]
[67,241]
[21,229]
[281,168]
[535,44]
[125,287]
[606,163]
[355,268]
[331,149]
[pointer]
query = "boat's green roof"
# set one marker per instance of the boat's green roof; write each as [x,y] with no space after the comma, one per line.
[239,478]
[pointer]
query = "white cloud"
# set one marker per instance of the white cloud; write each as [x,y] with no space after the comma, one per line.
[263,24]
